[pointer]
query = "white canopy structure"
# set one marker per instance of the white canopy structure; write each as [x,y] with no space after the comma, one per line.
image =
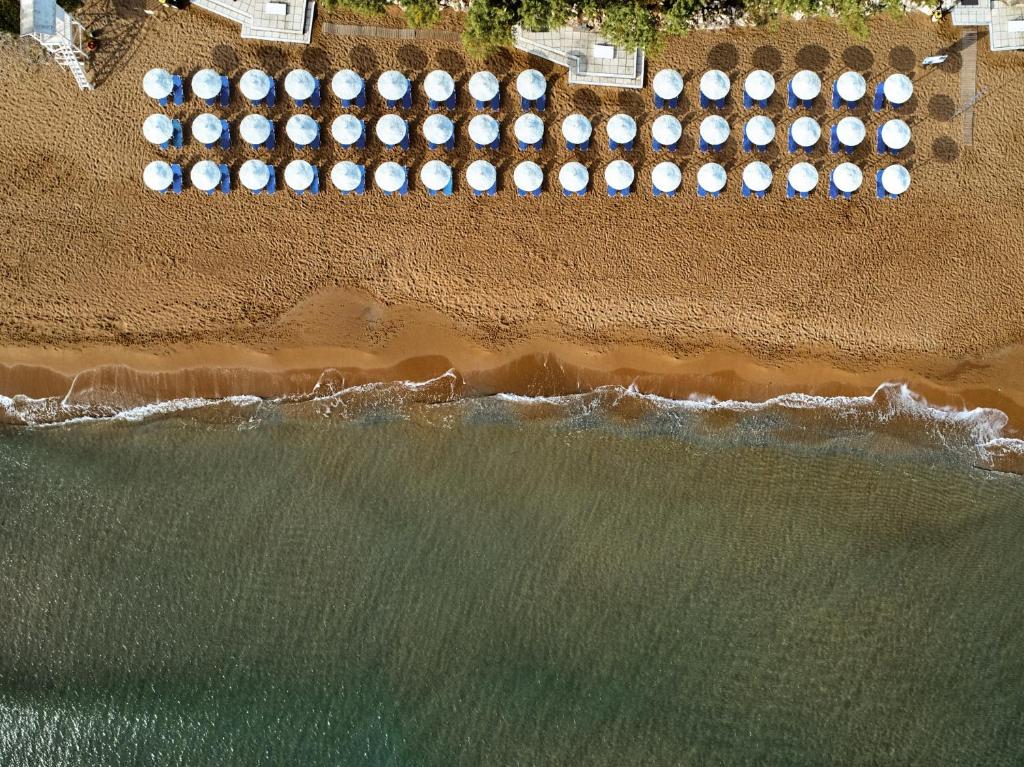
[347,129]
[847,177]
[158,83]
[666,177]
[805,131]
[483,86]
[391,130]
[528,176]
[347,85]
[803,177]
[301,129]
[895,179]
[206,84]
[759,85]
[850,131]
[206,128]
[714,130]
[806,85]
[714,84]
[851,86]
[254,84]
[435,175]
[158,176]
[666,130]
[255,129]
[711,177]
[254,175]
[528,128]
[392,85]
[668,84]
[895,134]
[621,128]
[158,129]
[760,130]
[390,176]
[531,84]
[483,130]
[438,85]
[757,176]
[576,129]
[346,175]
[298,175]
[299,84]
[438,129]
[573,177]
[205,175]
[481,175]
[898,89]
[619,175]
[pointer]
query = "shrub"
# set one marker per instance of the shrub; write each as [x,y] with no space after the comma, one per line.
[489,26]
[421,13]
[362,7]
[632,25]
[541,15]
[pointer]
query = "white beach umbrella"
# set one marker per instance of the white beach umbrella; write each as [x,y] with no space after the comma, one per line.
[206,128]
[205,175]
[392,85]
[714,130]
[346,129]
[435,175]
[254,84]
[803,177]
[898,89]
[760,130]
[668,83]
[157,129]
[711,177]
[895,179]
[391,129]
[298,175]
[576,129]
[666,176]
[851,86]
[759,85]
[806,131]
[346,175]
[757,176]
[528,128]
[158,175]
[438,85]
[347,85]
[847,177]
[254,175]
[528,176]
[483,86]
[531,84]
[255,129]
[573,177]
[481,175]
[390,176]
[850,131]
[299,84]
[621,128]
[301,129]
[437,129]
[483,130]
[806,84]
[619,174]
[895,134]
[158,83]
[714,84]
[206,84]
[666,129]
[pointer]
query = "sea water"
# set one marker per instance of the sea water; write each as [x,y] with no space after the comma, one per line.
[602,579]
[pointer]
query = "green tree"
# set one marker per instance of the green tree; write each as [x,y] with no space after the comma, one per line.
[489,26]
[362,7]
[631,24]
[421,13]
[541,15]
[679,15]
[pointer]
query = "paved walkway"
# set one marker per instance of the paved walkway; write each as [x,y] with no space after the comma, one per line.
[389,33]
[574,47]
[968,81]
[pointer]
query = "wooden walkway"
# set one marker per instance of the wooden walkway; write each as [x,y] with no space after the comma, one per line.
[968,81]
[390,33]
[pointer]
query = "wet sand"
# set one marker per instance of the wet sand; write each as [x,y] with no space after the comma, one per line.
[731,297]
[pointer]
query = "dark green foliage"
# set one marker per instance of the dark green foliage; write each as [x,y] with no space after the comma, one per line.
[363,7]
[421,13]
[631,24]
[489,26]
[541,15]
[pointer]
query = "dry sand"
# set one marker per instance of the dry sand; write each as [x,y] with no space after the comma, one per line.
[730,297]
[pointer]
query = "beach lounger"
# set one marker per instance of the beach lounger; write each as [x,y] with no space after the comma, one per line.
[833,140]
[361,188]
[314,100]
[272,184]
[523,146]
[792,102]
[627,147]
[178,90]
[879,103]
[744,189]
[705,102]
[749,102]
[494,104]
[449,103]
[879,189]
[702,192]
[837,100]
[225,135]
[225,178]
[225,91]
[178,177]
[706,147]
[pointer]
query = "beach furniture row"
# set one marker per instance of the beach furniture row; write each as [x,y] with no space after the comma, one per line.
[437,178]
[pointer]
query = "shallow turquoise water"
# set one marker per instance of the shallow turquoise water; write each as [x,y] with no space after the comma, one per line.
[486,583]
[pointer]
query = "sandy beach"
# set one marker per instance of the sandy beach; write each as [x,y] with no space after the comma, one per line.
[194,296]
